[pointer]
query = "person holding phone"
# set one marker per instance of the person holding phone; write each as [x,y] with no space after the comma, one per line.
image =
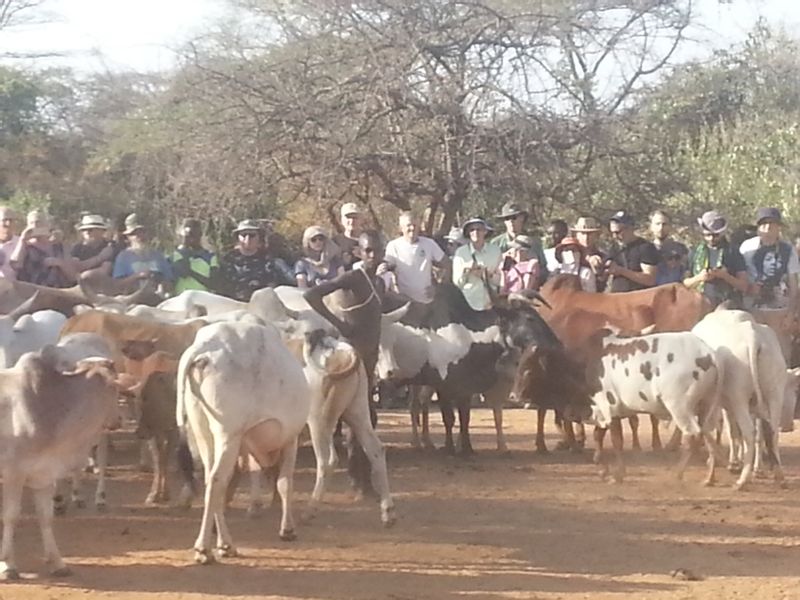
[520,271]
[476,265]
[141,261]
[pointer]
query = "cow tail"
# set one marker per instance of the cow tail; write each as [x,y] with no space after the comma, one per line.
[769,439]
[762,410]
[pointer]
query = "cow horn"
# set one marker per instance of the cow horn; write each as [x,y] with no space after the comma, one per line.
[528,296]
[130,299]
[398,313]
[93,297]
[26,308]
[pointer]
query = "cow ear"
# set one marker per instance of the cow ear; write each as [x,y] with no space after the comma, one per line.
[196,311]
[138,349]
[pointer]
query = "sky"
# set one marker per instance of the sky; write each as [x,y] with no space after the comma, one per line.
[142,35]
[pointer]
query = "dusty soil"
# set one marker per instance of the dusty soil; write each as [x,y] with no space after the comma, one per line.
[523,526]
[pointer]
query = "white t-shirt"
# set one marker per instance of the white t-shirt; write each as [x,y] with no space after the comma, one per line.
[6,249]
[552,262]
[771,262]
[413,264]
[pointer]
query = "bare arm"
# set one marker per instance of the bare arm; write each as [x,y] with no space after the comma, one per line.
[646,278]
[315,298]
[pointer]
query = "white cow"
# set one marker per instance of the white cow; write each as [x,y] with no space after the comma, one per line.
[239,388]
[53,405]
[669,375]
[754,370]
[27,334]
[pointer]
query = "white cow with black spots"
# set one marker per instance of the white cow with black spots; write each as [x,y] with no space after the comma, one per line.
[669,375]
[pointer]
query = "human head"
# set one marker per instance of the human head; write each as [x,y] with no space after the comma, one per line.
[371,248]
[92,228]
[315,241]
[135,231]
[769,223]
[587,232]
[621,225]
[250,237]
[570,253]
[453,240]
[660,225]
[713,226]
[350,216]
[522,246]
[409,226]
[191,233]
[475,230]
[557,231]
[7,223]
[514,217]
[40,222]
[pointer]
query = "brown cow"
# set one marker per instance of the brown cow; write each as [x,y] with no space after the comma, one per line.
[575,315]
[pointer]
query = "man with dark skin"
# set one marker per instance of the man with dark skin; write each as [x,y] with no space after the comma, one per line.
[360,324]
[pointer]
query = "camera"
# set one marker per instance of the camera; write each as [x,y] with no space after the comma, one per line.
[508,262]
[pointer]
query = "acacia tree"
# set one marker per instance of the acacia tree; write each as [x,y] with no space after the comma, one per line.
[454,106]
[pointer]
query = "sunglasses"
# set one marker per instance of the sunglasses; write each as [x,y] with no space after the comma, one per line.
[247,234]
[318,238]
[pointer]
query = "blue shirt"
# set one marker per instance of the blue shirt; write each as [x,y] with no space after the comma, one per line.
[129,262]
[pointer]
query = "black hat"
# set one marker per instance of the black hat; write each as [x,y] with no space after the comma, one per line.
[623,218]
[768,214]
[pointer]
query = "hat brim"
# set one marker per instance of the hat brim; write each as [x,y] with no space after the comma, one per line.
[92,226]
[247,230]
[133,230]
[511,215]
[710,230]
[469,224]
[585,229]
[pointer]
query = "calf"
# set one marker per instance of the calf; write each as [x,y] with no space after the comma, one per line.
[239,387]
[52,409]
[668,375]
[27,334]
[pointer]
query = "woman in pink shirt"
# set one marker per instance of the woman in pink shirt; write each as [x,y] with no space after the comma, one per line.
[520,272]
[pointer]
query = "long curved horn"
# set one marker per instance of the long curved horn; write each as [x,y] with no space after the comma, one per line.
[528,295]
[94,298]
[27,307]
[147,289]
[341,363]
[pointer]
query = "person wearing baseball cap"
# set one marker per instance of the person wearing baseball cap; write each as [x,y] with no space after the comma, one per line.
[634,260]
[350,218]
[195,267]
[515,217]
[716,267]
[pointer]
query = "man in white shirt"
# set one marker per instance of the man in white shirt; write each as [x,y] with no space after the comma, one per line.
[8,241]
[412,258]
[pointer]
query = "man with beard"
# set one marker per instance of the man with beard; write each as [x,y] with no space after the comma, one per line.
[8,241]
[672,266]
[716,268]
[94,254]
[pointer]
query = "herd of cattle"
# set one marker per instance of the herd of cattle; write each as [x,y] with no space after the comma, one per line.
[230,382]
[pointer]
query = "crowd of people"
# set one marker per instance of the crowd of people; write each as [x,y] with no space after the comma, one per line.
[754,269]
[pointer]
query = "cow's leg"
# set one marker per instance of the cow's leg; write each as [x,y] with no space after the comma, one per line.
[413,407]
[12,505]
[449,419]
[285,484]
[256,478]
[102,466]
[358,465]
[599,436]
[656,435]
[686,455]
[464,411]
[425,397]
[580,437]
[616,441]
[325,453]
[541,446]
[356,419]
[634,424]
[218,475]
[734,441]
[76,498]
[674,443]
[497,412]
[740,425]
[569,436]
[153,496]
[43,499]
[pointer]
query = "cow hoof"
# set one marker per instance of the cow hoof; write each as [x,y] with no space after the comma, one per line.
[542,450]
[101,507]
[562,445]
[388,518]
[227,551]
[79,503]
[204,557]
[59,506]
[61,572]
[10,575]
[738,486]
[288,535]
[709,483]
[151,500]
[760,474]
[735,468]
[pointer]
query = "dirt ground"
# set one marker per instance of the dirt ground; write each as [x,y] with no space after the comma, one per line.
[520,526]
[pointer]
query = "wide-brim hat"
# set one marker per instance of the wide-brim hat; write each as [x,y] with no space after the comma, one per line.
[569,242]
[586,225]
[511,209]
[249,225]
[713,222]
[132,224]
[474,221]
[524,242]
[455,235]
[91,222]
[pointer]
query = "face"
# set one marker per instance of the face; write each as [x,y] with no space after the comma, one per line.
[514,224]
[191,237]
[249,241]
[95,234]
[556,233]
[351,222]
[139,236]
[6,223]
[408,226]
[317,243]
[476,233]
[769,230]
[712,239]
[617,230]
[587,239]
[660,227]
[371,251]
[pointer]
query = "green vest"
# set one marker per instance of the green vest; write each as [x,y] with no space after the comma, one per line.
[201,265]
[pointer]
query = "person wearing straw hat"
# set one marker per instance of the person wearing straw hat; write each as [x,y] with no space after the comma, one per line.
[476,265]
[571,258]
[140,261]
[194,266]
[717,268]
[515,217]
[250,266]
[587,231]
[94,254]
[39,260]
[8,242]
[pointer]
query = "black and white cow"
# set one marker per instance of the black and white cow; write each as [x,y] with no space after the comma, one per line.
[457,349]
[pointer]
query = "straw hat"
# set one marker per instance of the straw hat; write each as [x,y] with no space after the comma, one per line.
[586,225]
[91,222]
